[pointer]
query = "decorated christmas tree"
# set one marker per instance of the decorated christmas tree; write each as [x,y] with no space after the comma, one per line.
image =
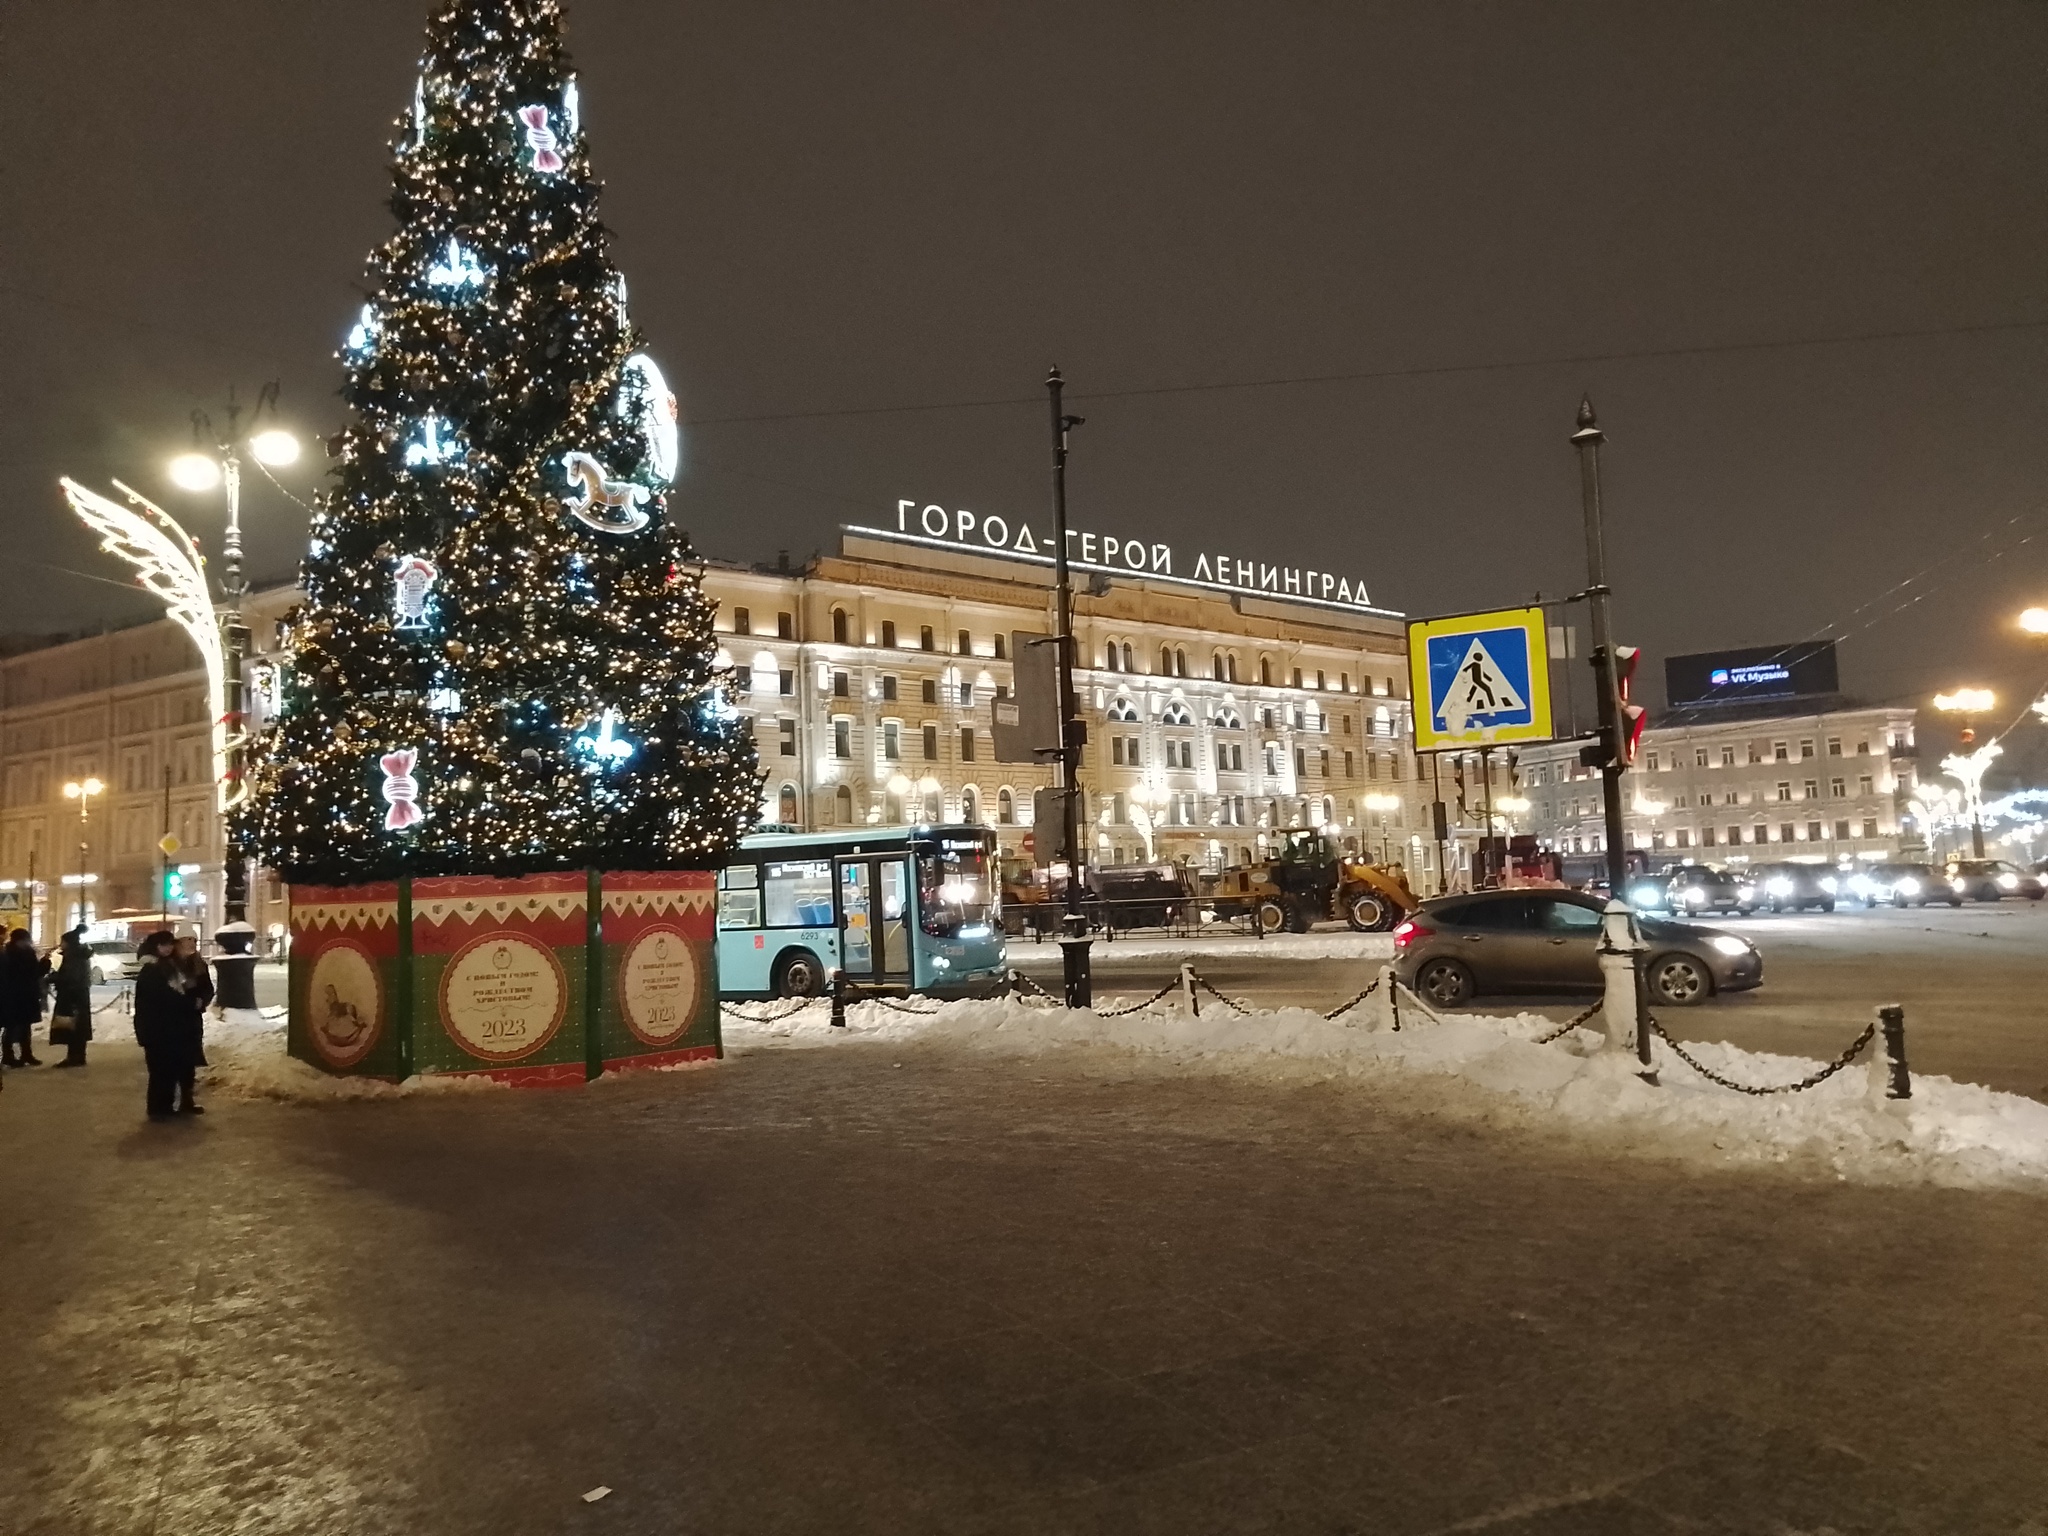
[504,659]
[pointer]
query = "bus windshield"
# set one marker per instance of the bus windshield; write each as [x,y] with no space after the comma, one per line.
[955,887]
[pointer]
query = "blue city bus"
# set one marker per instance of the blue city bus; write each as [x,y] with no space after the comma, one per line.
[909,909]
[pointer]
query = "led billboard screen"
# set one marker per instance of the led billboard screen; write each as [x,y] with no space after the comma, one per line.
[1751,675]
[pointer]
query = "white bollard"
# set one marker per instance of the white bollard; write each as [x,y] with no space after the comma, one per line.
[1619,947]
[1380,1006]
[1187,989]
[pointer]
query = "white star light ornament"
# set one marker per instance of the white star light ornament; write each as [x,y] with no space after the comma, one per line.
[431,448]
[607,749]
[363,336]
[608,505]
[461,270]
[659,415]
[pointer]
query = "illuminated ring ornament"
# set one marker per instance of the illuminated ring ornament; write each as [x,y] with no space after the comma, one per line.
[659,416]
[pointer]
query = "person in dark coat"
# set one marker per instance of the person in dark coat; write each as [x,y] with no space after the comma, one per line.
[21,998]
[163,1027]
[198,992]
[74,995]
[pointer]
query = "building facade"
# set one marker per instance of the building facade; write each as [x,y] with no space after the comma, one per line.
[129,709]
[1215,718]
[1738,788]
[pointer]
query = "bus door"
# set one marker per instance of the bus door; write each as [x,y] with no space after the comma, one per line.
[872,904]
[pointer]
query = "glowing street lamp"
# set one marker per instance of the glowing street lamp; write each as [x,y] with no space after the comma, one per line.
[1968,768]
[82,791]
[2035,621]
[1381,804]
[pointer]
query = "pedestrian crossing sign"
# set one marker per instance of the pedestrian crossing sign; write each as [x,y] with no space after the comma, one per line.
[1480,680]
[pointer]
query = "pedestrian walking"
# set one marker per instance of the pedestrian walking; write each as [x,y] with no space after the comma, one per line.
[21,998]
[198,992]
[74,997]
[163,1027]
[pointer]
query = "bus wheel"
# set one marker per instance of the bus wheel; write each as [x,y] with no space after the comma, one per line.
[1365,912]
[799,973]
[1270,916]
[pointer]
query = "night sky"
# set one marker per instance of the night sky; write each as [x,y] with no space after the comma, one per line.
[833,214]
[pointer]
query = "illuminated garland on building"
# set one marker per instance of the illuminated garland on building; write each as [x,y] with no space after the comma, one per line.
[505,435]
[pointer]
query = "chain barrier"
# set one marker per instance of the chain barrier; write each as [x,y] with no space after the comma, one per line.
[895,1007]
[1117,1013]
[1347,1007]
[1814,1081]
[1229,1002]
[1024,984]
[1564,1029]
[791,1005]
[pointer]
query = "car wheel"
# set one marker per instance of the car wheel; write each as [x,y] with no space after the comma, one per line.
[1365,912]
[799,973]
[1901,903]
[1444,983]
[1827,906]
[1680,980]
[1270,916]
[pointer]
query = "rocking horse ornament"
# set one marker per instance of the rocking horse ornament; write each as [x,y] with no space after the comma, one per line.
[609,506]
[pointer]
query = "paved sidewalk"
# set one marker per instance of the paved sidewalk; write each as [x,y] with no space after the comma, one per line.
[859,1291]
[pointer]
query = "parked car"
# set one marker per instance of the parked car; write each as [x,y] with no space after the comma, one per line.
[1700,888]
[1795,887]
[1903,885]
[1992,880]
[1457,948]
[113,960]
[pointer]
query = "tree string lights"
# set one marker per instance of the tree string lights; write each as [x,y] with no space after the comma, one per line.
[495,353]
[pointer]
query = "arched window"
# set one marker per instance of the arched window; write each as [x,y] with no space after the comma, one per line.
[1109,657]
[1166,661]
[934,810]
[1122,709]
[1006,807]
[1216,666]
[1227,719]
[1128,667]
[1329,810]
[842,806]
[785,806]
[839,626]
[1177,713]
[1180,662]
[1265,672]
[1230,668]
[970,805]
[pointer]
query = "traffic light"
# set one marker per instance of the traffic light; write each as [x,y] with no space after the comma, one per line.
[1633,717]
[174,886]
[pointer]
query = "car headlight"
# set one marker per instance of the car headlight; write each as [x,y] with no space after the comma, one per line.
[1729,946]
[1908,887]
[1958,883]
[1693,893]
[2009,882]
[1827,883]
[1779,887]
[1645,895]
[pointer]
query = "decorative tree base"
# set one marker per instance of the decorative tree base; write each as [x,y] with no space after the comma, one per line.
[543,981]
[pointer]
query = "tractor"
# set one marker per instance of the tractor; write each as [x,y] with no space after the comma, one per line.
[1308,880]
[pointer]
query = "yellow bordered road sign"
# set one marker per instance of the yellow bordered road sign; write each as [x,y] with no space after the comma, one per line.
[1480,680]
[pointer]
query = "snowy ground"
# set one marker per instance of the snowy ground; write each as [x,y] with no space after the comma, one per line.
[1487,1069]
[1491,1069]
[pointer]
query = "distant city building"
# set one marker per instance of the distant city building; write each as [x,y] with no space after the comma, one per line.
[1736,786]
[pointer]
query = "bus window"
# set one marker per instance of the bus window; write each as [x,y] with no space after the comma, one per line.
[739,897]
[798,895]
[953,888]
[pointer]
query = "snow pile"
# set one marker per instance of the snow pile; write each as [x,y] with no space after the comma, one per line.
[1492,1069]
[246,1059]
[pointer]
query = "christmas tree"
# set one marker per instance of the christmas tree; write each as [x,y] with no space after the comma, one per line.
[504,659]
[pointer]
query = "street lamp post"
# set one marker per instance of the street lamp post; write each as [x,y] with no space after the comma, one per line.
[1073,732]
[1381,804]
[82,792]
[1969,767]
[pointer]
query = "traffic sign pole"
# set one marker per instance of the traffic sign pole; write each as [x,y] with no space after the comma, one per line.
[1587,440]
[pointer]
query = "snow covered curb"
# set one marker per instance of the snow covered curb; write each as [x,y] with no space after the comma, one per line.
[1948,1133]
[246,1060]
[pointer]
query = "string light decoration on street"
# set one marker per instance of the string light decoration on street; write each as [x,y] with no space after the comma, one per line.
[169,567]
[508,432]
